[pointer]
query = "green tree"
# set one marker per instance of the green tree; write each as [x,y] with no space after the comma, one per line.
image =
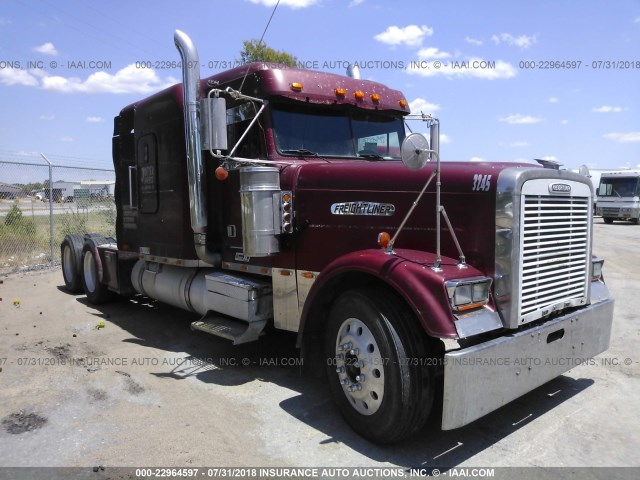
[254,51]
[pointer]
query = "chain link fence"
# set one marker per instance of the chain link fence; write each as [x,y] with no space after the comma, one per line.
[41,200]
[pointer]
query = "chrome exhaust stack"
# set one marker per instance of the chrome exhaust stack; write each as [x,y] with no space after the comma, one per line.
[195,165]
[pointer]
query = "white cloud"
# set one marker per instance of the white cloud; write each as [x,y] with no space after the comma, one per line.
[518,119]
[47,117]
[127,80]
[420,105]
[565,122]
[623,137]
[411,35]
[553,100]
[609,109]
[468,68]
[550,157]
[46,49]
[94,119]
[637,20]
[355,3]
[473,41]
[66,139]
[477,159]
[14,76]
[523,41]
[433,52]
[286,3]
[519,144]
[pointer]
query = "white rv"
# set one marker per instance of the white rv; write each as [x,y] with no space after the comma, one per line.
[619,196]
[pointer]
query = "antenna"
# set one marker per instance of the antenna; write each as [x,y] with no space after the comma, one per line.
[260,42]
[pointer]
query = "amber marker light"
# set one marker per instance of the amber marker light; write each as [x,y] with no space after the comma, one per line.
[296,86]
[222,173]
[383,239]
[341,92]
[359,95]
[308,275]
[375,97]
[403,103]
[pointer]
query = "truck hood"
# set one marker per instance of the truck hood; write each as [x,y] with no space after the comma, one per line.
[343,205]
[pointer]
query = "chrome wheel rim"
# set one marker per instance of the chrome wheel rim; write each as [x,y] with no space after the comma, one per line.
[89,272]
[67,263]
[360,366]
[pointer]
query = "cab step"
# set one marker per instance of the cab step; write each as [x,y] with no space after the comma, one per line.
[235,330]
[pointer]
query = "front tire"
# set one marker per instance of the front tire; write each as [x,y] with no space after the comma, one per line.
[607,220]
[376,365]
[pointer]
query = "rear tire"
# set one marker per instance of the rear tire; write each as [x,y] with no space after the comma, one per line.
[376,365]
[607,220]
[71,260]
[635,221]
[96,292]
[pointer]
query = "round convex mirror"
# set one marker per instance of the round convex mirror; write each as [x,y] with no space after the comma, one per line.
[415,151]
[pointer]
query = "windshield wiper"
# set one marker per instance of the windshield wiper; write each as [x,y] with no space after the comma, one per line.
[371,156]
[300,151]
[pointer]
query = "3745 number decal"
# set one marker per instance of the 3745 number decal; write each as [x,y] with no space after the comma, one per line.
[481,183]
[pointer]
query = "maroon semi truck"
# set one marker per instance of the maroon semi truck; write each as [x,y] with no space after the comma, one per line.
[271,195]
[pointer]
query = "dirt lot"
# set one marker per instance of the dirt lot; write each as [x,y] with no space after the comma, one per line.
[146,391]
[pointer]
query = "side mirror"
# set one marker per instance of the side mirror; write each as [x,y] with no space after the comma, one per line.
[415,152]
[213,120]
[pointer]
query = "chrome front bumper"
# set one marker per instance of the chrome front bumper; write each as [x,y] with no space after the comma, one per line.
[482,378]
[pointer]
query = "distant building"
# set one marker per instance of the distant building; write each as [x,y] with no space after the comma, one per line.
[102,188]
[9,191]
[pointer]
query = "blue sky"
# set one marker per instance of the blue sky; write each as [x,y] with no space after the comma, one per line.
[587,115]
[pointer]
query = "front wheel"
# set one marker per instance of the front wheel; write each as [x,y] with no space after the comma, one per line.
[376,365]
[607,220]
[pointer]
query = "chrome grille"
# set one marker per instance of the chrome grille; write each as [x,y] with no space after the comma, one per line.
[610,212]
[554,254]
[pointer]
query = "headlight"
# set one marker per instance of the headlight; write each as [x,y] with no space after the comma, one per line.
[468,293]
[596,269]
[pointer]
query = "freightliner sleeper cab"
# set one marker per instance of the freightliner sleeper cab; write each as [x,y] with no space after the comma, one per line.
[272,195]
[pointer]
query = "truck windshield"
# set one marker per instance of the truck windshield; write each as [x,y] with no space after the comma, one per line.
[309,130]
[619,187]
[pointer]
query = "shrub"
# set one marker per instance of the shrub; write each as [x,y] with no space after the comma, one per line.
[17,223]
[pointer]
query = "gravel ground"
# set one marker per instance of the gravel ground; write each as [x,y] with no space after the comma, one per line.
[144,390]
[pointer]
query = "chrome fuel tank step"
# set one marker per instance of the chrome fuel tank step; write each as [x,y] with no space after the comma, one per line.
[235,330]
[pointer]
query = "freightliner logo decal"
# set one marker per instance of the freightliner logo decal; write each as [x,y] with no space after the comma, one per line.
[363,208]
[559,188]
